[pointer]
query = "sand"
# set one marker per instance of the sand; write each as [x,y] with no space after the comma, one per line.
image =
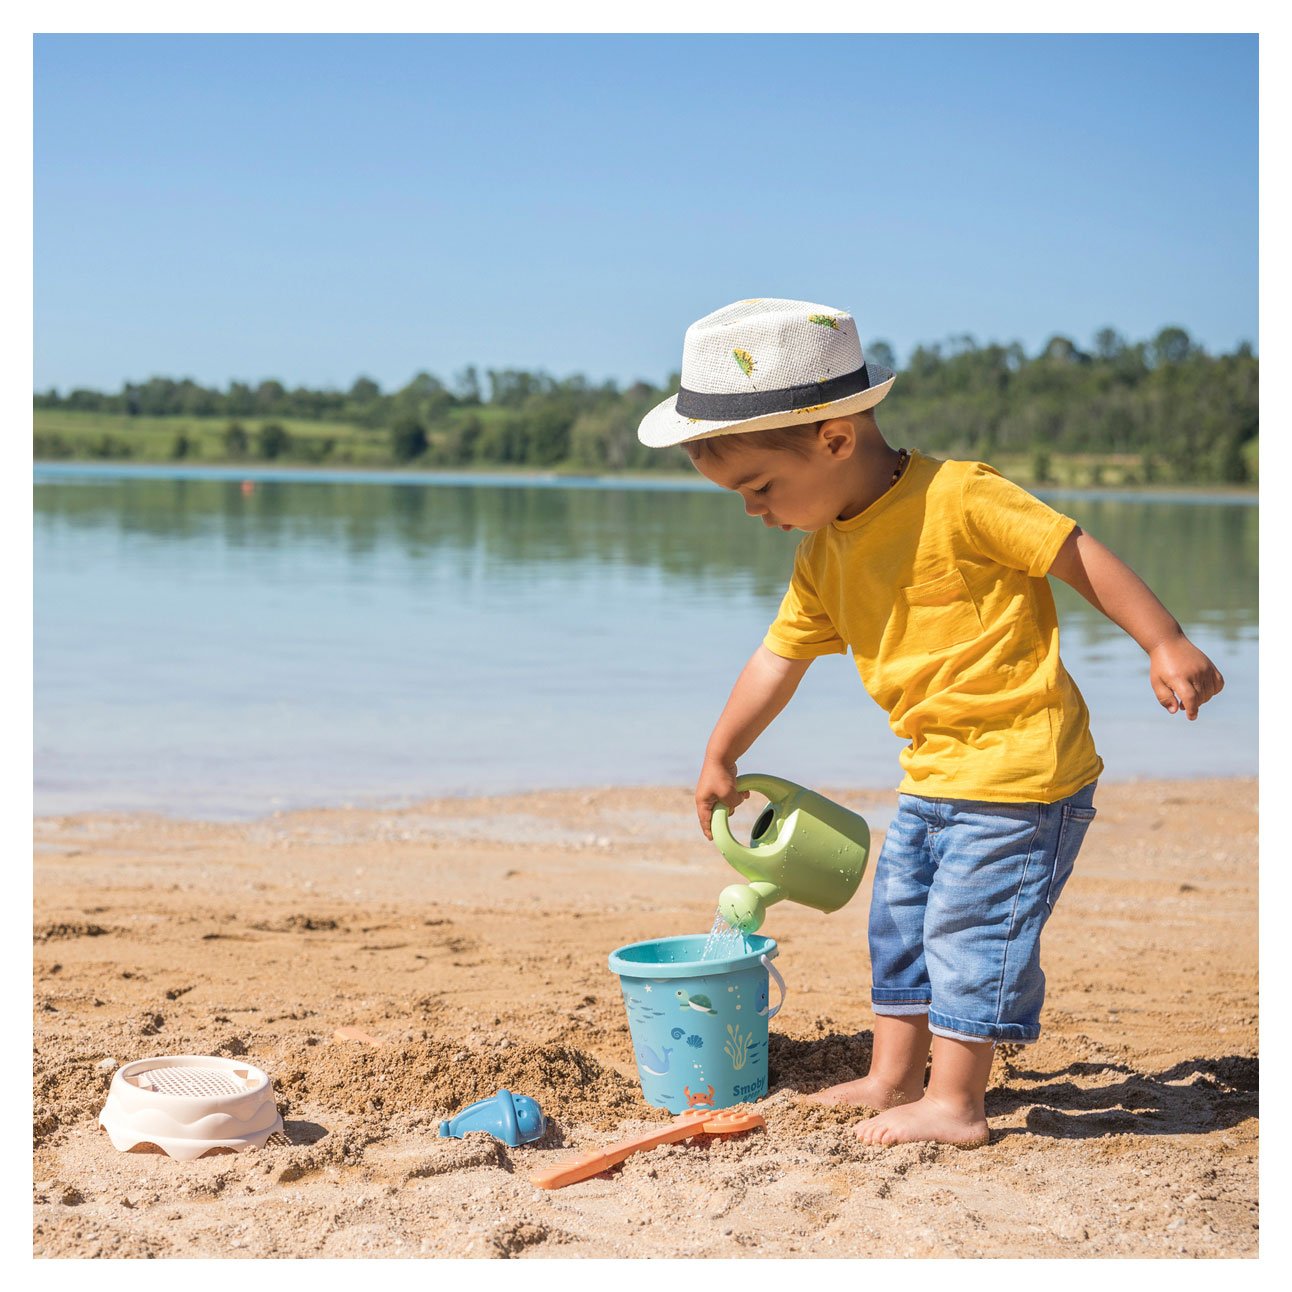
[471,937]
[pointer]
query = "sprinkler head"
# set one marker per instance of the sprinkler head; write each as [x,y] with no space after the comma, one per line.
[742,908]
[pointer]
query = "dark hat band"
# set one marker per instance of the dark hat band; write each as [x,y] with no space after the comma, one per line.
[759,403]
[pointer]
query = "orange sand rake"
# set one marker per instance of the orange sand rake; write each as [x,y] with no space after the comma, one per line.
[695,1121]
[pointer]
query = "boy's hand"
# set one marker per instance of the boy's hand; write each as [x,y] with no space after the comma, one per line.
[1182,676]
[717,784]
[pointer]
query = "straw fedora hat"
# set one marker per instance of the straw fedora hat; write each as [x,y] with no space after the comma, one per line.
[762,363]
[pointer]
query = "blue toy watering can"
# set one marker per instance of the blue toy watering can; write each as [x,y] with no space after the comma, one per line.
[803,848]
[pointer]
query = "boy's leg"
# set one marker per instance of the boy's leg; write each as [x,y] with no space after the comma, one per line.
[1001,868]
[900,992]
[951,1110]
[897,1063]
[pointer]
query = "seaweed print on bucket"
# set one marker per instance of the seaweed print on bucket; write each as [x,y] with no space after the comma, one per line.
[737,1046]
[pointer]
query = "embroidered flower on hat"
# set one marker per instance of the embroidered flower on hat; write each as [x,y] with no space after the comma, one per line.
[746,361]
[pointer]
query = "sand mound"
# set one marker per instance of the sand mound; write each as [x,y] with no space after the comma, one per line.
[442,1077]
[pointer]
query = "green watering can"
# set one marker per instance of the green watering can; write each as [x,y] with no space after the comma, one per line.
[803,847]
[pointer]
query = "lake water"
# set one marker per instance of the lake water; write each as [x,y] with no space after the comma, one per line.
[204,649]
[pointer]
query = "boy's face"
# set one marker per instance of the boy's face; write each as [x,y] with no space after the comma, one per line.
[785,490]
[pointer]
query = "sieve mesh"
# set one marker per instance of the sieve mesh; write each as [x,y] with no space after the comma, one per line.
[192,1082]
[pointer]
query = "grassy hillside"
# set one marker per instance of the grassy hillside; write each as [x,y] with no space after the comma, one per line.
[66,434]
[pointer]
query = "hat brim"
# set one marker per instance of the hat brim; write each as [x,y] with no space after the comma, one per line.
[664,426]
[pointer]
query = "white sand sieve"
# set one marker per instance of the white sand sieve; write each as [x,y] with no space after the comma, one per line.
[188,1104]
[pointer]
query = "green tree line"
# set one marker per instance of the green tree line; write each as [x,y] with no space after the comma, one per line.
[1159,410]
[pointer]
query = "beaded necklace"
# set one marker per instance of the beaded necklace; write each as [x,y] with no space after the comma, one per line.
[903,457]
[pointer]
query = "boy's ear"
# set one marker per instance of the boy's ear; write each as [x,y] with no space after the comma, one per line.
[838,435]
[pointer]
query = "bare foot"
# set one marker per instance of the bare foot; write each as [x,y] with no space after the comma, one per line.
[924,1119]
[868,1092]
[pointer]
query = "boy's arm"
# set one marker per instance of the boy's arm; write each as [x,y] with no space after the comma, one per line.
[762,690]
[1181,675]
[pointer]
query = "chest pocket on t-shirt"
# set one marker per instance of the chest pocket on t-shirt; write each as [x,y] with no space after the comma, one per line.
[940,613]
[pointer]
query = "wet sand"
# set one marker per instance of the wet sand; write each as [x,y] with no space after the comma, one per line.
[471,936]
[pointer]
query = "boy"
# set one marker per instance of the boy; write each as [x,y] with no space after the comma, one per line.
[933,574]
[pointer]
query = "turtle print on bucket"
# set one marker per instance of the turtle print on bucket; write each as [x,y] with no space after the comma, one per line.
[701,1004]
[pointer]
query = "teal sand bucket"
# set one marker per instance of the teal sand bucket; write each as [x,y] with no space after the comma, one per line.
[699,1027]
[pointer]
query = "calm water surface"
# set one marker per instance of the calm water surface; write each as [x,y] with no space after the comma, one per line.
[327,639]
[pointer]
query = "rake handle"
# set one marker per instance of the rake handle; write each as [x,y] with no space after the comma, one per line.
[695,1121]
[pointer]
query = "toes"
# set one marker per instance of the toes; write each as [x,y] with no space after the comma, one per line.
[871,1131]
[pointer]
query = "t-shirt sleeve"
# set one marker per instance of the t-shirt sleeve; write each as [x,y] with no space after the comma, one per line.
[1006,523]
[802,628]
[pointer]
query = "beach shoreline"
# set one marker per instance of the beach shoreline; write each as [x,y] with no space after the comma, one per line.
[471,935]
[510,474]
[878,800]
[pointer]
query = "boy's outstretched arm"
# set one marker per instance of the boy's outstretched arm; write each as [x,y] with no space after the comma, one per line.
[1182,677]
[762,690]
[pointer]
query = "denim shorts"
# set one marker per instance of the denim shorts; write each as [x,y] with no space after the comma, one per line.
[962,890]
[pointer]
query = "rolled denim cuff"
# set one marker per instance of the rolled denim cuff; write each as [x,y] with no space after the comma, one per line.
[896,1001]
[968,1029]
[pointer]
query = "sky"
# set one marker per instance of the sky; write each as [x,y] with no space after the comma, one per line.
[316,208]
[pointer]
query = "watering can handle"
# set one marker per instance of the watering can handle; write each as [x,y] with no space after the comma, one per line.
[774,788]
[780,982]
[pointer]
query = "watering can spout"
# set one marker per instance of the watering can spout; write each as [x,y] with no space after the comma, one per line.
[744,906]
[803,848]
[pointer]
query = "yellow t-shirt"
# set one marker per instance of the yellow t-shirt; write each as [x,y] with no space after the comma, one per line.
[939,590]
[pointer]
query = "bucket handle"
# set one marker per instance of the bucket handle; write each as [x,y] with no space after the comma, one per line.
[780,982]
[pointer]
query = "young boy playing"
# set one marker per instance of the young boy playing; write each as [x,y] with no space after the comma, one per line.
[933,574]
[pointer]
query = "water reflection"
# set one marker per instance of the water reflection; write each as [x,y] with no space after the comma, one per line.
[1200,560]
[202,648]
